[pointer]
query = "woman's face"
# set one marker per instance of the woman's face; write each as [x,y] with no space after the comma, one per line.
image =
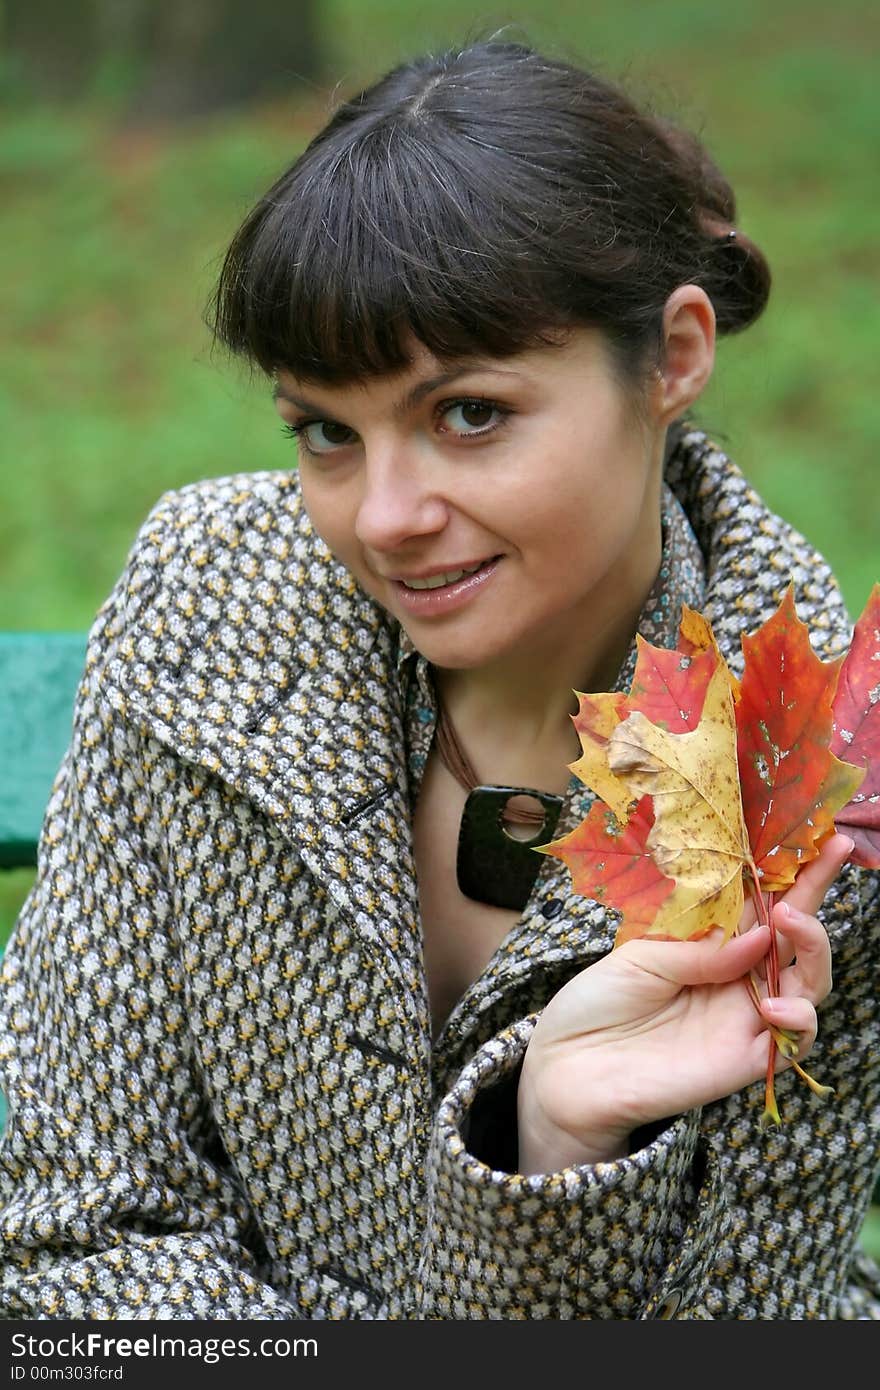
[495,507]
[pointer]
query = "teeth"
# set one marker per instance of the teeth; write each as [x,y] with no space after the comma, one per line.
[438,580]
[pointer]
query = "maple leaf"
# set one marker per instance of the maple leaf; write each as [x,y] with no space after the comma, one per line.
[792,784]
[856,733]
[668,687]
[609,860]
[597,718]
[706,784]
[699,836]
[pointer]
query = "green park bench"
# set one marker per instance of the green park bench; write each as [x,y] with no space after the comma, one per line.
[39,673]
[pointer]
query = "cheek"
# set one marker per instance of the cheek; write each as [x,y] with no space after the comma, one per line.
[576,528]
[570,507]
[331,513]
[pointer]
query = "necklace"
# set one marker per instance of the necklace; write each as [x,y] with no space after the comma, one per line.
[494,866]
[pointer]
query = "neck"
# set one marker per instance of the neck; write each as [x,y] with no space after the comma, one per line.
[512,730]
[529,699]
[502,698]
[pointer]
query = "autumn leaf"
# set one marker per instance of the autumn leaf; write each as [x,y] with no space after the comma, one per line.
[856,733]
[792,784]
[699,836]
[597,718]
[709,786]
[609,861]
[668,687]
[669,690]
[695,635]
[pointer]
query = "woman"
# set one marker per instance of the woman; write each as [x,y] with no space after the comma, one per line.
[291,1027]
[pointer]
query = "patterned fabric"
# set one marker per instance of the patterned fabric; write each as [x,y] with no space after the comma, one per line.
[224,1100]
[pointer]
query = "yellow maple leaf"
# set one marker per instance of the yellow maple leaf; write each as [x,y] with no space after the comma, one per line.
[699,836]
[597,718]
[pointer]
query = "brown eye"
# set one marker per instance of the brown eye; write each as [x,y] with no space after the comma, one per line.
[476,413]
[322,436]
[335,434]
[471,417]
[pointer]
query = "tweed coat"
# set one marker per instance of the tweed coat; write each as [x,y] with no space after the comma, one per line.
[224,1099]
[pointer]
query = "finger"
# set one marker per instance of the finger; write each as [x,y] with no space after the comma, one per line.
[807,940]
[795,1015]
[699,962]
[813,881]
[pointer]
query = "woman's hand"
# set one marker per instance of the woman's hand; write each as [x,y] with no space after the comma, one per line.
[658,1027]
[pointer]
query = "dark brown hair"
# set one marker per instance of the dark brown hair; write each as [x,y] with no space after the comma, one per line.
[481,201]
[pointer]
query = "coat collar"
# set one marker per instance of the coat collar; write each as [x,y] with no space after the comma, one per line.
[257,659]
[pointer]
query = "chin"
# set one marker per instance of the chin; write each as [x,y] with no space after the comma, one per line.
[454,656]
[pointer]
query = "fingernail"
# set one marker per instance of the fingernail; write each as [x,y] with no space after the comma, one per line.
[773,1006]
[850,845]
[790,912]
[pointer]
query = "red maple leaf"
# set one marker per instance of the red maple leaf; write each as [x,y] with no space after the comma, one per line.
[660,765]
[856,733]
[792,784]
[609,861]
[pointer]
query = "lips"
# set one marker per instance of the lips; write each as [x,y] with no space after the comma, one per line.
[444,591]
[441,578]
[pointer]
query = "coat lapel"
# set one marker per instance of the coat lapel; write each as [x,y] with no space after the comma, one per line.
[309,729]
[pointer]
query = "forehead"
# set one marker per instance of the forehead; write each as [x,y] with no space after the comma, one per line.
[402,390]
[397,393]
[420,362]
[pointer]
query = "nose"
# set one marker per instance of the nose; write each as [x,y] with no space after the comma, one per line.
[397,504]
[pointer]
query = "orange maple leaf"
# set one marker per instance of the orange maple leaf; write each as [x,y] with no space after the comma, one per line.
[609,861]
[792,784]
[699,837]
[706,783]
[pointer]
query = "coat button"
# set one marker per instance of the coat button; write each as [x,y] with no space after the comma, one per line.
[668,1306]
[552,908]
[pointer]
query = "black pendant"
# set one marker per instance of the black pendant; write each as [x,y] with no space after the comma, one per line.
[492,866]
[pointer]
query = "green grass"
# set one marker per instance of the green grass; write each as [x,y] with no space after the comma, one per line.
[110,394]
[109,391]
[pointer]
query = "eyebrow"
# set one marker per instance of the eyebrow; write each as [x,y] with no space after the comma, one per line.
[412,398]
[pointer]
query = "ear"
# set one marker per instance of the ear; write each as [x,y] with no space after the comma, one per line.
[688,351]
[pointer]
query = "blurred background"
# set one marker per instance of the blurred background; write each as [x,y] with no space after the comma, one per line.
[135,134]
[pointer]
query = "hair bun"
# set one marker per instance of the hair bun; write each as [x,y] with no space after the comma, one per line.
[737,280]
[733,270]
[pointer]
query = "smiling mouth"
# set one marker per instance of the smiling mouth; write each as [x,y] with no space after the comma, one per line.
[440,581]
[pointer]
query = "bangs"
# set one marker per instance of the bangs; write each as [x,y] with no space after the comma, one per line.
[478,204]
[356,252]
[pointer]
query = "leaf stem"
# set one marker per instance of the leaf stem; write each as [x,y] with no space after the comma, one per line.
[773,990]
[764,914]
[782,1040]
[815,1086]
